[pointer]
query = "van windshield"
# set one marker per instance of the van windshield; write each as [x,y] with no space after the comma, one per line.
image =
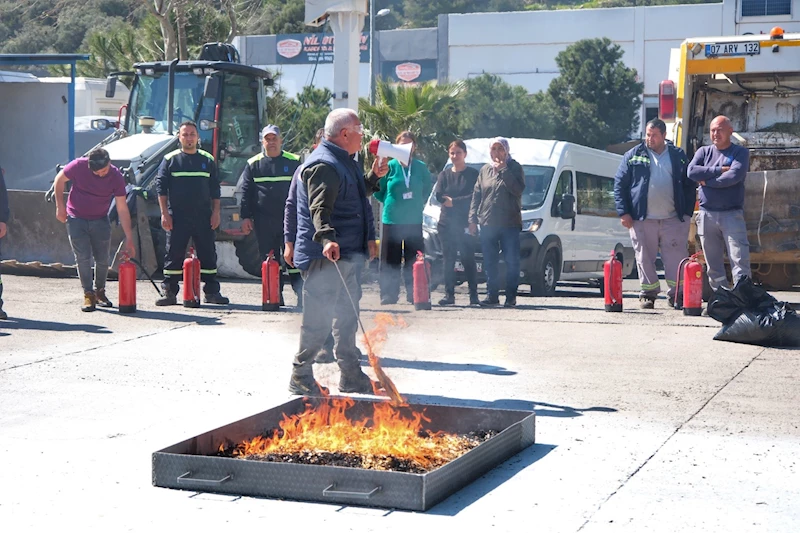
[537,183]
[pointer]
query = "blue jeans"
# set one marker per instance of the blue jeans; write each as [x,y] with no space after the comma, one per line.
[90,239]
[493,239]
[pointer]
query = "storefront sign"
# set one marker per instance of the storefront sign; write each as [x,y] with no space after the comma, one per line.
[305,48]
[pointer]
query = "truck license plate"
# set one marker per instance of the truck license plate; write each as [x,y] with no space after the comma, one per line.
[733,49]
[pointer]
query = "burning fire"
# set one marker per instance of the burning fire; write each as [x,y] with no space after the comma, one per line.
[394,433]
[374,340]
[391,435]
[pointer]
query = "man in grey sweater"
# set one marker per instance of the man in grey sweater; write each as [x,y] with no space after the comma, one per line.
[720,170]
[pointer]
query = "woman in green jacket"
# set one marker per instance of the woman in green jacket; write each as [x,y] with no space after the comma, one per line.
[403,192]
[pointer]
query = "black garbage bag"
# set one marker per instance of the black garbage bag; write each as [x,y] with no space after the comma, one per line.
[751,315]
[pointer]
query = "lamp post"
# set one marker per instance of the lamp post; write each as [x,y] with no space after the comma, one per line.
[372,49]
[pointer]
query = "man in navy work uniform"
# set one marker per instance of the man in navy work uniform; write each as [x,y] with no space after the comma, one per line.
[188,194]
[655,201]
[265,184]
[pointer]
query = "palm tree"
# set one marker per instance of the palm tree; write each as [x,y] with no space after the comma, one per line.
[428,110]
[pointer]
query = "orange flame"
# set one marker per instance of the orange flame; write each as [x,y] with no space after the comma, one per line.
[392,431]
[374,341]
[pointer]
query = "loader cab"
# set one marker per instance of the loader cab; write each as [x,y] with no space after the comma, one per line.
[225,100]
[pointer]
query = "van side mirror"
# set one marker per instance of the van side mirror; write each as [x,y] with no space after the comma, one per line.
[211,88]
[111,86]
[568,206]
[100,124]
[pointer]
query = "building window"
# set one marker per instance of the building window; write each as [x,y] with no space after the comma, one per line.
[650,113]
[761,8]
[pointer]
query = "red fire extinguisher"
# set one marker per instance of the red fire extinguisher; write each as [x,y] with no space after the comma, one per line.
[191,280]
[127,285]
[270,283]
[612,280]
[422,276]
[692,272]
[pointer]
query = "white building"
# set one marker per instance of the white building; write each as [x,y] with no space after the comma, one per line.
[521,47]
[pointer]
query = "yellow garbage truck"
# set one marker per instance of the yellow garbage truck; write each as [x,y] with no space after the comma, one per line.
[755,81]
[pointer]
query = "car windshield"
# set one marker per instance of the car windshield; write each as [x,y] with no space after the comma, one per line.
[537,183]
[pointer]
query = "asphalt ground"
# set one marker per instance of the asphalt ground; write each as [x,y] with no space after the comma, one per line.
[644,423]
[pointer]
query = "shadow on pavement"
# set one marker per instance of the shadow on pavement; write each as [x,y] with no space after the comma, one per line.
[447,367]
[166,316]
[291,310]
[43,325]
[540,408]
[491,480]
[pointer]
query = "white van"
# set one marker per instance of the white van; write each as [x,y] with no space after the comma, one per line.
[570,224]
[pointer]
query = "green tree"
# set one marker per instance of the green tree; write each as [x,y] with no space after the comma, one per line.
[595,100]
[427,110]
[308,111]
[493,107]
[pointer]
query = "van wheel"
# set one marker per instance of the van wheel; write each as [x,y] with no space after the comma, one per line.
[544,284]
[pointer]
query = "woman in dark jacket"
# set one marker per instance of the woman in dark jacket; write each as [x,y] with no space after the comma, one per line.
[497,207]
[454,191]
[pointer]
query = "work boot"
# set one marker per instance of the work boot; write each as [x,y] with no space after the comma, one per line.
[355,380]
[647,302]
[324,356]
[169,298]
[102,300]
[89,302]
[306,385]
[3,314]
[447,300]
[511,301]
[216,298]
[473,298]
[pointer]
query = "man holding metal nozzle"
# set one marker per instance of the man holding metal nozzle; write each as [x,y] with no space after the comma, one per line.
[335,236]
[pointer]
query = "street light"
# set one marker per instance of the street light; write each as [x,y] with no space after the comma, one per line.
[372,50]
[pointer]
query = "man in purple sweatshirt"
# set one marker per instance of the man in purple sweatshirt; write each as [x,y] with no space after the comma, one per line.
[720,170]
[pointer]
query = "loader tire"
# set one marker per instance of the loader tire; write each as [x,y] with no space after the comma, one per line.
[247,252]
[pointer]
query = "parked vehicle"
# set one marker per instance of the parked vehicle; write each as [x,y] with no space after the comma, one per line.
[755,81]
[569,220]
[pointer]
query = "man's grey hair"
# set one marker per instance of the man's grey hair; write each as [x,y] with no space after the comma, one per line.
[337,120]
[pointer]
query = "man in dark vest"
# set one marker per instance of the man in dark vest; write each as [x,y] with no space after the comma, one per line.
[335,228]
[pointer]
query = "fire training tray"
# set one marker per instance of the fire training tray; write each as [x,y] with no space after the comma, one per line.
[191,464]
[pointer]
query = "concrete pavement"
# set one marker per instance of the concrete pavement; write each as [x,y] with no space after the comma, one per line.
[644,422]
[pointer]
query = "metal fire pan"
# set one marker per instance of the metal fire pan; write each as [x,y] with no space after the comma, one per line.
[190,465]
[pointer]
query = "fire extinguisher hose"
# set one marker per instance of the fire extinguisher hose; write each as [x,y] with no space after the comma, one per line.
[141,267]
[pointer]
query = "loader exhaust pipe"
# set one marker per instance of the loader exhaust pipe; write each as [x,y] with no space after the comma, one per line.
[171,93]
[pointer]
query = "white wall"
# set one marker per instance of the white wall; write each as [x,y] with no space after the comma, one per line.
[90,96]
[37,137]
[521,47]
[294,77]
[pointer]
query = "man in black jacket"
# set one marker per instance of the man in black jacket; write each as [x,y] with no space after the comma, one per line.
[265,185]
[655,200]
[188,195]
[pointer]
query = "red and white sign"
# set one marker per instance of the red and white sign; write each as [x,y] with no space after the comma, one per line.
[408,71]
[289,47]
